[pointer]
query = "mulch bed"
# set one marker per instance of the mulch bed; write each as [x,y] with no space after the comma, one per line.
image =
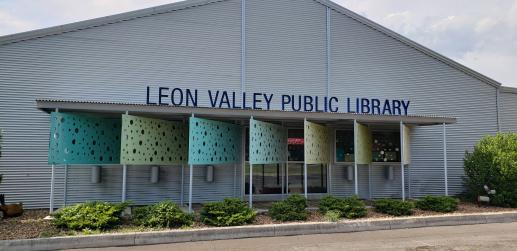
[32,225]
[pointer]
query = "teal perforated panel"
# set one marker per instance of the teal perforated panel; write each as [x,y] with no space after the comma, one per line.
[147,141]
[213,142]
[268,143]
[83,139]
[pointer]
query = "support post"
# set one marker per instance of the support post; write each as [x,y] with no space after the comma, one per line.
[445,160]
[304,162]
[52,177]
[191,175]
[251,187]
[305,179]
[65,186]
[191,170]
[402,156]
[356,183]
[124,182]
[182,189]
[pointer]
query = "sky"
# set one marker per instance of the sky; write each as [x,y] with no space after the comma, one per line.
[481,34]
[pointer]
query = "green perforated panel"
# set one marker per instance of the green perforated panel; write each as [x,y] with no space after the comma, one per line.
[363,144]
[316,143]
[147,141]
[213,142]
[268,143]
[83,139]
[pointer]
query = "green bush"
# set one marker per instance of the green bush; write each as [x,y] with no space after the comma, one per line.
[442,204]
[393,207]
[493,163]
[230,212]
[164,214]
[350,208]
[90,215]
[332,215]
[291,209]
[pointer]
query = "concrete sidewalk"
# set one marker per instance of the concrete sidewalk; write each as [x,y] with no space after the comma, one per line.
[254,231]
[493,237]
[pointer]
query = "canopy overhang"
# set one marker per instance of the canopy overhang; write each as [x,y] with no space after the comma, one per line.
[234,114]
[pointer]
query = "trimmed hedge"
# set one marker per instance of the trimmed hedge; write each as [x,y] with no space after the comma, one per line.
[441,204]
[89,215]
[291,209]
[350,208]
[393,207]
[164,214]
[230,212]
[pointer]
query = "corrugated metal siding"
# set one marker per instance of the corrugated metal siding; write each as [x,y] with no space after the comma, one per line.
[367,63]
[192,48]
[508,111]
[285,47]
[384,188]
[200,48]
[341,186]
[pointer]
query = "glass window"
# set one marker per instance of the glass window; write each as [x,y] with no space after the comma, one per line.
[295,143]
[295,171]
[317,178]
[386,147]
[345,146]
[267,179]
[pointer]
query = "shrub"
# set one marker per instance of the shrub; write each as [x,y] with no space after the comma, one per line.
[442,204]
[291,209]
[350,208]
[164,214]
[332,215]
[90,215]
[493,163]
[393,207]
[230,212]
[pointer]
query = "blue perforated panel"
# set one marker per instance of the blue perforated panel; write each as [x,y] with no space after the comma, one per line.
[213,142]
[83,139]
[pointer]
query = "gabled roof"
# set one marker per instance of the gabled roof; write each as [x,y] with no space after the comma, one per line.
[194,3]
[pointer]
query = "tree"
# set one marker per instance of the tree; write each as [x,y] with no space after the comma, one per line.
[493,163]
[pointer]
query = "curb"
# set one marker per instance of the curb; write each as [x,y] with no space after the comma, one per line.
[274,230]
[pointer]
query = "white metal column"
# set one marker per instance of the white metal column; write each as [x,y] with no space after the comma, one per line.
[305,179]
[251,187]
[65,186]
[191,170]
[402,178]
[356,183]
[182,189]
[124,182]
[52,177]
[445,160]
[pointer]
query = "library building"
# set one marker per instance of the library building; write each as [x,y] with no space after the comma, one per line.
[201,100]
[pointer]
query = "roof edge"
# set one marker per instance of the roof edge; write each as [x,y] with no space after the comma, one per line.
[508,89]
[80,25]
[409,42]
[118,107]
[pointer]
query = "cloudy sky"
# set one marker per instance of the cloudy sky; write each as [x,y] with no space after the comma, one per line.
[481,34]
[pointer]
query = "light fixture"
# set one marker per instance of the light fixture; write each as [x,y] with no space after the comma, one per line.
[155,174]
[96,174]
[210,174]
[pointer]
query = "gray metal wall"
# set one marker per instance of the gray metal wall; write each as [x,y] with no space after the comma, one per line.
[200,47]
[508,111]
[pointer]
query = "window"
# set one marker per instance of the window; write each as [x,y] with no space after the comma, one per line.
[295,143]
[345,146]
[267,179]
[386,147]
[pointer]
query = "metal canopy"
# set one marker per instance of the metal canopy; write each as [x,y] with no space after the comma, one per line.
[234,114]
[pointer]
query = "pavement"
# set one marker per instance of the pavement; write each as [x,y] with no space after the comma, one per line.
[493,237]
